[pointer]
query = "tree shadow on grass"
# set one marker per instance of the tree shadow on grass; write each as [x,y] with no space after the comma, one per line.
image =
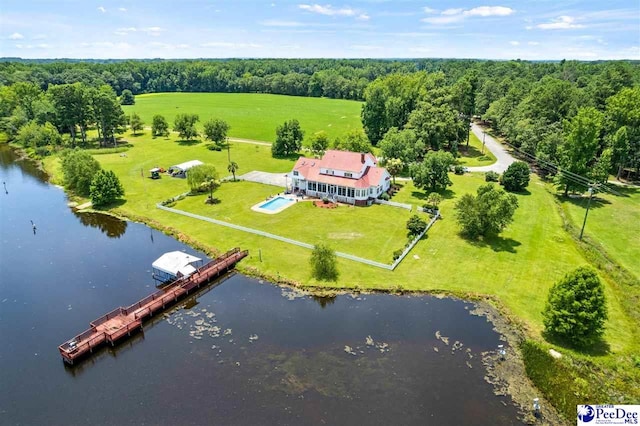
[627,191]
[523,191]
[188,142]
[292,157]
[470,152]
[137,135]
[496,243]
[599,347]
[447,194]
[596,202]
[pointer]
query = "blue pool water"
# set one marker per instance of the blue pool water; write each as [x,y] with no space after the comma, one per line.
[276,203]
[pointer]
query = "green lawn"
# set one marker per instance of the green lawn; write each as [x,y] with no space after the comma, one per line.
[613,223]
[373,233]
[476,154]
[518,267]
[253,116]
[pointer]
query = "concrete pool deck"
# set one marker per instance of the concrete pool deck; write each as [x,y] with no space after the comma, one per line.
[261,209]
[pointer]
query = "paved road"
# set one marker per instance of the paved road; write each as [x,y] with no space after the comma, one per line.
[502,155]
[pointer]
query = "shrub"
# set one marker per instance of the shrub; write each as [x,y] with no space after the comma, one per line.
[576,308]
[78,168]
[415,225]
[384,196]
[491,176]
[516,177]
[489,212]
[397,254]
[433,200]
[105,188]
[324,263]
[459,170]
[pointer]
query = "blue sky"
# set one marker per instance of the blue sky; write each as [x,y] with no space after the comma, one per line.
[541,29]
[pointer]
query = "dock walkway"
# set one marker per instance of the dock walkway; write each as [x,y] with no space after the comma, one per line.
[122,322]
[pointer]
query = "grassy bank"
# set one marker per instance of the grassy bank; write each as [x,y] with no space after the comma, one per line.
[613,224]
[253,116]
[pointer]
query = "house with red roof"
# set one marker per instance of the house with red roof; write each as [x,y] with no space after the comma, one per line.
[342,176]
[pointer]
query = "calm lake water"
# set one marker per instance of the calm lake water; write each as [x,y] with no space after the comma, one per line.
[241,352]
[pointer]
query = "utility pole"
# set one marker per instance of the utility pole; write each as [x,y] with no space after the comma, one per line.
[587,212]
[483,135]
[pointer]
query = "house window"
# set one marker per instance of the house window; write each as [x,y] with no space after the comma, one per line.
[350,192]
[347,174]
[295,173]
[312,186]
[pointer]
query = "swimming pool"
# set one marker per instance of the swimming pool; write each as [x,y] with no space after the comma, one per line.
[276,203]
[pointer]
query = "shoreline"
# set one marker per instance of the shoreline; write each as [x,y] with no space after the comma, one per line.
[507,377]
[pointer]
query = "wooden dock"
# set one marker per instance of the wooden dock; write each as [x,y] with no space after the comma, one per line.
[122,322]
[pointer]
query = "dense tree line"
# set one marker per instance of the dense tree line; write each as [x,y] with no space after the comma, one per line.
[582,116]
[36,118]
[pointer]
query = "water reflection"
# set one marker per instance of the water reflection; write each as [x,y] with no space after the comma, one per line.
[111,226]
[9,156]
[323,301]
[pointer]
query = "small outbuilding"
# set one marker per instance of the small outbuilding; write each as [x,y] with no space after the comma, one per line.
[180,170]
[155,173]
[173,265]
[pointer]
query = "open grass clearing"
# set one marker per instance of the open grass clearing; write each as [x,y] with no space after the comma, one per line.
[613,223]
[373,233]
[251,115]
[475,155]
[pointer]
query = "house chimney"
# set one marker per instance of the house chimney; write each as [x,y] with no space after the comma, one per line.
[362,157]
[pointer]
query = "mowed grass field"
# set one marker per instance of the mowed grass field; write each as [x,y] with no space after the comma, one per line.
[253,116]
[517,268]
[476,154]
[373,233]
[613,223]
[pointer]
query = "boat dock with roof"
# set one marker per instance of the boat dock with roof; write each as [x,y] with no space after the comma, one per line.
[122,322]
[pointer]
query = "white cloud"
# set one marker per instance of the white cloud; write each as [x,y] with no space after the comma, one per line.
[278,23]
[514,43]
[328,10]
[450,16]
[231,45]
[33,46]
[105,45]
[16,36]
[533,43]
[152,31]
[489,11]
[125,31]
[429,11]
[102,9]
[449,12]
[561,23]
[122,9]
[169,46]
[420,49]
[364,47]
[363,17]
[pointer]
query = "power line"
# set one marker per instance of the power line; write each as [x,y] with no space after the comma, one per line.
[573,177]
